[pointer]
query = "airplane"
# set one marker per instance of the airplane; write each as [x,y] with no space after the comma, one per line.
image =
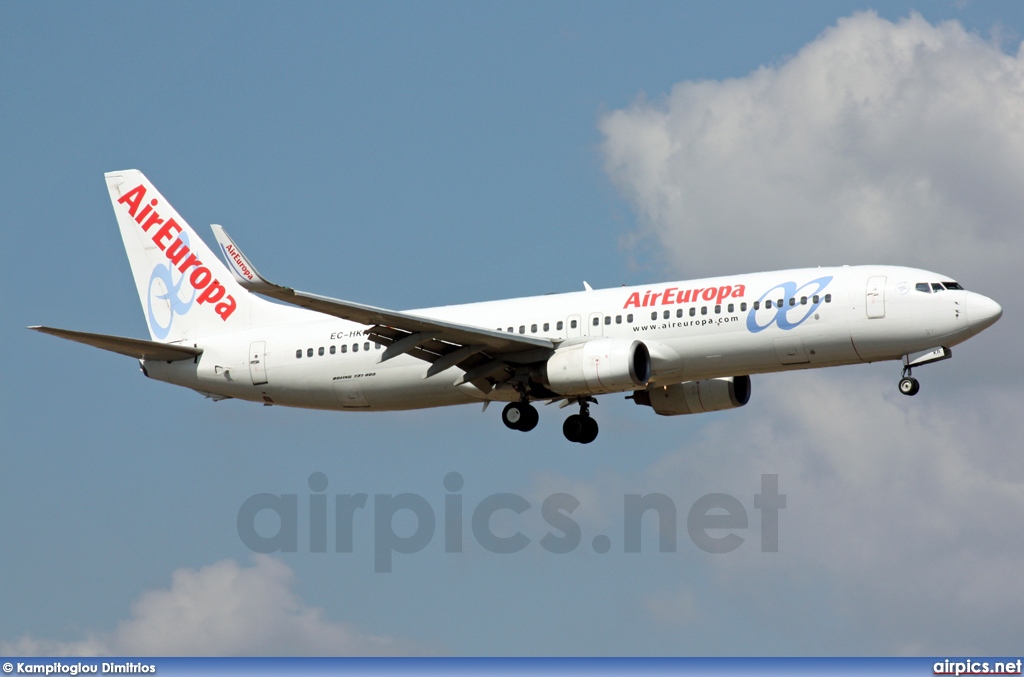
[683,347]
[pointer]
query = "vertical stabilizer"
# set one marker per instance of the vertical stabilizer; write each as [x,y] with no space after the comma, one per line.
[185,290]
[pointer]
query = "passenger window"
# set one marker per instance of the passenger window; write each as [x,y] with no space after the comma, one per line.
[693,311]
[757,305]
[366,346]
[667,314]
[572,324]
[597,321]
[803,300]
[743,307]
[718,310]
[607,319]
[559,325]
[320,352]
[629,318]
[654,315]
[547,326]
[618,319]
[533,329]
[731,308]
[815,298]
[309,352]
[333,350]
[522,329]
[679,312]
[703,310]
[792,302]
[510,329]
[355,347]
[298,353]
[828,298]
[344,348]
[779,303]
[923,286]
[767,304]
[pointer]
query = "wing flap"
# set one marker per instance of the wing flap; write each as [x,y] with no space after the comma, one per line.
[386,326]
[138,348]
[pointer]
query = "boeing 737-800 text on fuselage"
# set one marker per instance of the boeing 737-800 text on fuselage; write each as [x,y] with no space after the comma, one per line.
[678,347]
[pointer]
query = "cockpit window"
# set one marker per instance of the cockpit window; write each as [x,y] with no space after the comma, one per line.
[937,287]
[952,285]
[923,286]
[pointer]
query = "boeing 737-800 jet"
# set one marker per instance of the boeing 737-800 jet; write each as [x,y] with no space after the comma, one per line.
[678,347]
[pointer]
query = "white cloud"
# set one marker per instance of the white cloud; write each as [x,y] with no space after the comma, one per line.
[877,142]
[222,609]
[908,511]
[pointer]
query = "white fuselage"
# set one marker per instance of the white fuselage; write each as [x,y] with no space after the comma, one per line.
[695,329]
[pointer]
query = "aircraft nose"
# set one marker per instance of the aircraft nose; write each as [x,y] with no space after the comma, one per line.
[982,312]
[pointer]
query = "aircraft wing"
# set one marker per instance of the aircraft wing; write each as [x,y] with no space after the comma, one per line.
[483,354]
[143,350]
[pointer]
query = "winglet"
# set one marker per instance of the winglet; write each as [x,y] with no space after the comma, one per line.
[238,263]
[586,286]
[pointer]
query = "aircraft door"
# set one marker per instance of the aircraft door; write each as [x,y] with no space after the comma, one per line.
[572,326]
[594,326]
[257,362]
[875,297]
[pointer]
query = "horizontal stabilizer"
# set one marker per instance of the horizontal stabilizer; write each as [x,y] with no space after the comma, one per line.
[143,350]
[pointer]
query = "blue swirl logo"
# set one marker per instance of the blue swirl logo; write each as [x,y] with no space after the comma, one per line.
[783,315]
[169,292]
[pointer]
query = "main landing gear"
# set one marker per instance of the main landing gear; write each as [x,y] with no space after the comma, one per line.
[520,416]
[580,427]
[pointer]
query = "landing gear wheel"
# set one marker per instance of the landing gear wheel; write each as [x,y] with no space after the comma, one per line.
[529,419]
[909,385]
[580,428]
[573,428]
[589,430]
[520,416]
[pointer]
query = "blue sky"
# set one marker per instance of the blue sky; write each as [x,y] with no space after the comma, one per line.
[417,154]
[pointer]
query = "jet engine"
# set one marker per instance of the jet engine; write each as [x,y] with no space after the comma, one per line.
[597,366]
[696,397]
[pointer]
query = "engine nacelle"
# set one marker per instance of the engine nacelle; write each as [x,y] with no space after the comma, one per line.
[598,366]
[696,397]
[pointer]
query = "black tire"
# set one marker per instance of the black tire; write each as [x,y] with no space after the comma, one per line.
[589,430]
[573,428]
[909,386]
[529,419]
[512,415]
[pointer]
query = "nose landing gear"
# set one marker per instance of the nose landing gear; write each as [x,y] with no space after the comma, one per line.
[580,427]
[908,384]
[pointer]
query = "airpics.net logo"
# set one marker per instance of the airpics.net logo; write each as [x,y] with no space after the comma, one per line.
[716,523]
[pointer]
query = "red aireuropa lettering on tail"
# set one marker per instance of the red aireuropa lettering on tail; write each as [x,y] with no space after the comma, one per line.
[178,253]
